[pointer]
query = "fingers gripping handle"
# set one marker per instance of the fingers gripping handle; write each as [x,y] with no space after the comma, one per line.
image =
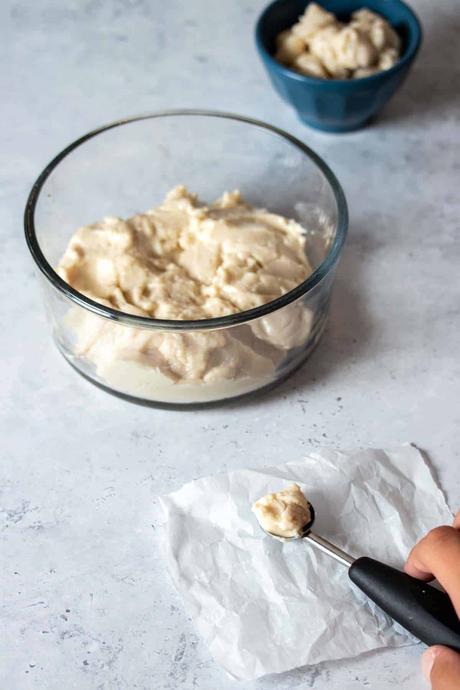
[423,610]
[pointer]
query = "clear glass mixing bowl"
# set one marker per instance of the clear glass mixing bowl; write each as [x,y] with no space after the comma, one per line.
[127,167]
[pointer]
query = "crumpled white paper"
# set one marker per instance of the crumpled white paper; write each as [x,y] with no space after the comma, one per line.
[266,607]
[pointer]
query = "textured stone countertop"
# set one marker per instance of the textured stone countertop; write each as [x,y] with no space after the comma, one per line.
[86,603]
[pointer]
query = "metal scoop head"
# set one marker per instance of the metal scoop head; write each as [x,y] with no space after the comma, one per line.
[322,544]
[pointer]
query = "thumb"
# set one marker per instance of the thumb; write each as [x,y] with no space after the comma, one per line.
[441,666]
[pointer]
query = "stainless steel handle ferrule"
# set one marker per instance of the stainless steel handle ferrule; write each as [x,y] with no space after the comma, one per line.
[332,550]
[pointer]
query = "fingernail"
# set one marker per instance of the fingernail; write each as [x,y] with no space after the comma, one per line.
[428,658]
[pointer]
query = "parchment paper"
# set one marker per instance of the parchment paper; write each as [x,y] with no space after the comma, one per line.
[266,607]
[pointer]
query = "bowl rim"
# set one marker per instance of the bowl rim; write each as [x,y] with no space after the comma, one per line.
[407,57]
[197,324]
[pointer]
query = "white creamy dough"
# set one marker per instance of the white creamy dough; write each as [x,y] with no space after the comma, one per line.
[284,513]
[184,260]
[318,45]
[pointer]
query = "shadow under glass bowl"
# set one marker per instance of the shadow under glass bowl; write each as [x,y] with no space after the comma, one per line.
[128,166]
[336,105]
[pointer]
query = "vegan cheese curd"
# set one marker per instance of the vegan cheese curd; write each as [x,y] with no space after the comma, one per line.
[284,513]
[318,45]
[184,260]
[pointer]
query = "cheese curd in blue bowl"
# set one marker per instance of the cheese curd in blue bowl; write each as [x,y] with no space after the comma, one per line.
[339,63]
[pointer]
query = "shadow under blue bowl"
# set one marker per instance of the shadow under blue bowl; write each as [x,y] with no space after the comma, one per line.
[335,105]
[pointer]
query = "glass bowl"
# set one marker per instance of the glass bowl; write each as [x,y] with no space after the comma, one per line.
[128,166]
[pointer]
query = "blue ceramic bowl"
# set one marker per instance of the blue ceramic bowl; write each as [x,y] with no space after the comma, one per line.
[330,104]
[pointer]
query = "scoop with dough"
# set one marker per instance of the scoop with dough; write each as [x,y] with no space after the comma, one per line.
[423,610]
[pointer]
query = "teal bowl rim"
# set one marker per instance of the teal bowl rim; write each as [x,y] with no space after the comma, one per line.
[198,324]
[414,45]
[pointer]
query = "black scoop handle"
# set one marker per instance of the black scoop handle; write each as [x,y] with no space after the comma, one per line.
[423,610]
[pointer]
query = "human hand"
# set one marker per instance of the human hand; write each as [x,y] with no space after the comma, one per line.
[437,555]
